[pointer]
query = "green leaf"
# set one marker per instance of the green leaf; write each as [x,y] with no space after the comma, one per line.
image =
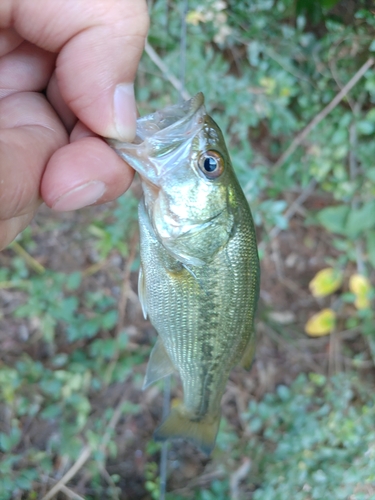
[365,127]
[73,281]
[370,174]
[52,411]
[334,218]
[51,387]
[328,4]
[370,240]
[109,319]
[8,441]
[360,219]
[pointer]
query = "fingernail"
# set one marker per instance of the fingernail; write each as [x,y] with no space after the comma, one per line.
[125,111]
[80,197]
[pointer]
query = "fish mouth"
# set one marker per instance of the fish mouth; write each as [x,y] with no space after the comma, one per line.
[162,139]
[172,118]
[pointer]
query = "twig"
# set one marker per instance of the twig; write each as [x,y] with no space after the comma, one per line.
[297,203]
[323,113]
[183,48]
[164,69]
[67,491]
[122,303]
[106,476]
[112,423]
[290,212]
[238,476]
[14,284]
[33,263]
[94,268]
[86,453]
[276,257]
[78,464]
[71,494]
[334,357]
[290,347]
[125,283]
[164,449]
[201,481]
[333,68]
[278,59]
[353,169]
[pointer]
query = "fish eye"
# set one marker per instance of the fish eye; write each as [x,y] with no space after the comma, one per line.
[211,163]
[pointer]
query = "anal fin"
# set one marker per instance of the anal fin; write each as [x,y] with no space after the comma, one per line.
[248,355]
[159,364]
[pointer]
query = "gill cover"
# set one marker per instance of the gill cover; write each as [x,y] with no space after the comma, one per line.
[179,153]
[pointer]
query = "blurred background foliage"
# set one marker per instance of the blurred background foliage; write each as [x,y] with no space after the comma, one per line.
[74,346]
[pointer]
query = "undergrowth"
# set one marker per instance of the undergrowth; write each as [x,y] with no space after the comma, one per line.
[312,440]
[266,72]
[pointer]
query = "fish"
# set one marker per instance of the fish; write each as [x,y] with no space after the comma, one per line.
[199,274]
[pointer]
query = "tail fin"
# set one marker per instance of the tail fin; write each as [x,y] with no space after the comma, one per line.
[180,423]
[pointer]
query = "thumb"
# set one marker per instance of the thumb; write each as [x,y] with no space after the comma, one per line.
[100,43]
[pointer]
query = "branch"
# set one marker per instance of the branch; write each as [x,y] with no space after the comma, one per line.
[122,304]
[164,69]
[29,259]
[293,209]
[324,112]
[78,464]
[299,139]
[86,454]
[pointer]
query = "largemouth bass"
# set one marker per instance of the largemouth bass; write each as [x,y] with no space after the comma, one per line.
[199,276]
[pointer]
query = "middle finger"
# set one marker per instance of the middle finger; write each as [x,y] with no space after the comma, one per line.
[26,68]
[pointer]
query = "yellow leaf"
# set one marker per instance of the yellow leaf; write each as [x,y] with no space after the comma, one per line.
[359,284]
[194,17]
[322,323]
[269,84]
[362,302]
[325,282]
[285,92]
[361,287]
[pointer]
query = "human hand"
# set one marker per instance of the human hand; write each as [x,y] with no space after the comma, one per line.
[67,69]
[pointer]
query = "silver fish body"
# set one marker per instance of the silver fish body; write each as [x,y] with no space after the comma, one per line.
[199,276]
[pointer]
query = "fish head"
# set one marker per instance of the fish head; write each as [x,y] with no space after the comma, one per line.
[187,179]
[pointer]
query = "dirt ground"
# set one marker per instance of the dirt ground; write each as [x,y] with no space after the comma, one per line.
[288,264]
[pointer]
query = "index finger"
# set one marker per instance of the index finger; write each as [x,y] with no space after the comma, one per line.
[100,43]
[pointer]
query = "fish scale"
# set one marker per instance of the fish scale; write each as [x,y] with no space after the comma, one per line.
[199,276]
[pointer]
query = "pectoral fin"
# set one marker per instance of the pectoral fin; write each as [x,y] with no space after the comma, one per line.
[248,356]
[159,365]
[142,291]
